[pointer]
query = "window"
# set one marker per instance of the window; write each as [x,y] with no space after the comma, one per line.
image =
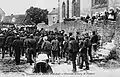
[63,10]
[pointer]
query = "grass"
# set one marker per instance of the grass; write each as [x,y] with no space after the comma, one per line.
[8,65]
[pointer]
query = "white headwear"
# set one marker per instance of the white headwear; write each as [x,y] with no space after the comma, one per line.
[1,34]
[45,38]
[41,58]
[118,8]
[96,13]
[102,14]
[111,8]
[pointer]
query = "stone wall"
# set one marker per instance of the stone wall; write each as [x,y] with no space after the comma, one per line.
[108,30]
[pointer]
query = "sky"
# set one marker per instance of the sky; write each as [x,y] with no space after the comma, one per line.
[20,6]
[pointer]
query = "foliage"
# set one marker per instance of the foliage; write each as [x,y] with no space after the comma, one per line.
[113,55]
[37,15]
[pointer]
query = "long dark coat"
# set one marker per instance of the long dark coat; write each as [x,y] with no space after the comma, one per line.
[17,45]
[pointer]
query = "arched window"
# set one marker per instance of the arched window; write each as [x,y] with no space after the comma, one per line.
[78,8]
[63,10]
[74,8]
[67,8]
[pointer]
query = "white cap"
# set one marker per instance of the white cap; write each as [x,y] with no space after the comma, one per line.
[102,13]
[118,8]
[41,58]
[45,38]
[1,34]
[111,8]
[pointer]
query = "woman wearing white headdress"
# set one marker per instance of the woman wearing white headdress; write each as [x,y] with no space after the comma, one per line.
[41,64]
[111,15]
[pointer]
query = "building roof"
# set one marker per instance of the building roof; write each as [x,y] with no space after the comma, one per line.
[7,19]
[17,19]
[2,14]
[54,11]
[6,23]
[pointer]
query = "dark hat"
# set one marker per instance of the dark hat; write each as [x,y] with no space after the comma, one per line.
[31,35]
[18,37]
[72,38]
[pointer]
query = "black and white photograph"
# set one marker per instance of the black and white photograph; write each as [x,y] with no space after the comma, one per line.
[59,38]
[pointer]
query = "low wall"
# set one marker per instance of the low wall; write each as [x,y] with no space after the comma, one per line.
[107,30]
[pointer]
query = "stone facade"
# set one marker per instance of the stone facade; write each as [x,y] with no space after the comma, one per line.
[77,8]
[53,17]
[68,9]
[73,8]
[2,14]
[102,5]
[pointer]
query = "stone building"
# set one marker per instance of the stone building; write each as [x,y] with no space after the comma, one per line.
[102,5]
[73,8]
[77,8]
[53,17]
[68,9]
[2,15]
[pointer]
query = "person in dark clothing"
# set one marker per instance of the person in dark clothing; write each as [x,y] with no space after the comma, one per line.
[39,44]
[2,45]
[8,43]
[32,50]
[93,19]
[70,34]
[66,49]
[87,18]
[17,46]
[51,37]
[94,41]
[55,50]
[60,38]
[42,67]
[89,45]
[22,38]
[83,53]
[73,48]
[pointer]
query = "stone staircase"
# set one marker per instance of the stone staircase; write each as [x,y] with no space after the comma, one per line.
[104,51]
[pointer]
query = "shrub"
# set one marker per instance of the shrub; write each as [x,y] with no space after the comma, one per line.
[113,55]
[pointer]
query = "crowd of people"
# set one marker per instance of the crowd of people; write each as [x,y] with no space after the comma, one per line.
[55,44]
[112,14]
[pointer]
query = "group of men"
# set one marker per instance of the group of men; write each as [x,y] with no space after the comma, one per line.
[57,45]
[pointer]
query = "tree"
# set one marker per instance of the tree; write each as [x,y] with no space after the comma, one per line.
[36,15]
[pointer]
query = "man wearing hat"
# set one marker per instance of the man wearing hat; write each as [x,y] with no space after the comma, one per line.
[8,43]
[17,46]
[73,48]
[83,53]
[32,49]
